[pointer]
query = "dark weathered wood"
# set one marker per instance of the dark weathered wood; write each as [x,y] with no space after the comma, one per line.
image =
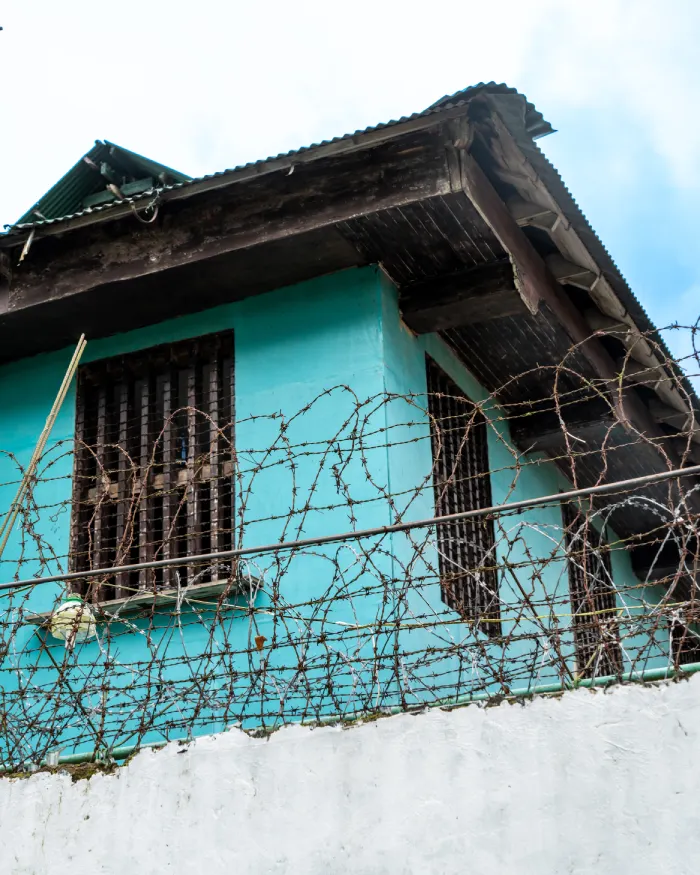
[161,295]
[157,467]
[228,412]
[124,526]
[461,482]
[565,271]
[145,498]
[544,431]
[593,596]
[98,543]
[249,214]
[536,284]
[282,166]
[214,442]
[79,560]
[169,496]
[598,321]
[5,281]
[527,213]
[664,413]
[193,506]
[470,297]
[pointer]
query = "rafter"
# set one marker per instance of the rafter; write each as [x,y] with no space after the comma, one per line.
[548,430]
[538,286]
[471,296]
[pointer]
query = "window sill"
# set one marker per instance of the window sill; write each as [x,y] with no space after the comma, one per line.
[144,603]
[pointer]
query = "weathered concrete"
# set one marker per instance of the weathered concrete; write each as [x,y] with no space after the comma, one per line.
[589,782]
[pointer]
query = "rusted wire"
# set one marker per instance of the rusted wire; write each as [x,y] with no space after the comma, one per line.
[360,600]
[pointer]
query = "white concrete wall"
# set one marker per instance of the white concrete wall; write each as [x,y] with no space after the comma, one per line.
[590,782]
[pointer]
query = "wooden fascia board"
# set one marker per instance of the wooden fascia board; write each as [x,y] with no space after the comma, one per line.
[285,164]
[239,224]
[511,162]
[549,430]
[537,285]
[466,298]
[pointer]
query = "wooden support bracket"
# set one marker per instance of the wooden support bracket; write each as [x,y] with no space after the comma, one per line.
[468,297]
[536,284]
[548,430]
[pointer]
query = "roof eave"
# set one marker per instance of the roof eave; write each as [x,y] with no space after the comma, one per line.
[440,111]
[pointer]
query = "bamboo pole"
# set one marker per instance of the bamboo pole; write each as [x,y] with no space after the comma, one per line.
[13,512]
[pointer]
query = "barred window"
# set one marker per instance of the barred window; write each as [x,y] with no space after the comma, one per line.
[462,482]
[153,475]
[593,596]
[685,644]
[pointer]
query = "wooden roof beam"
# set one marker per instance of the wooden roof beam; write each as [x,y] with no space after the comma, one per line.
[598,321]
[548,430]
[537,285]
[633,371]
[667,560]
[527,214]
[271,210]
[471,296]
[513,167]
[664,413]
[565,271]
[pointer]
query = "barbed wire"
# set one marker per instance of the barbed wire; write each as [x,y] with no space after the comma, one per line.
[479,605]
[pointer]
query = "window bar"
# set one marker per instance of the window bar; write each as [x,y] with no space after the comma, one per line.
[685,644]
[78,540]
[461,482]
[482,498]
[173,502]
[456,558]
[214,441]
[593,598]
[193,535]
[462,488]
[170,494]
[443,506]
[124,527]
[145,520]
[452,547]
[229,412]
[97,559]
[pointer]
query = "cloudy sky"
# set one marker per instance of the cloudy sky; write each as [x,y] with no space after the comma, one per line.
[206,85]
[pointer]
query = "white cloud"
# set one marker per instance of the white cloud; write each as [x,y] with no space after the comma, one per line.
[638,57]
[209,85]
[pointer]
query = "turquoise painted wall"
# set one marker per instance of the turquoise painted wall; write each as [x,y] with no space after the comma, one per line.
[528,543]
[323,358]
[314,348]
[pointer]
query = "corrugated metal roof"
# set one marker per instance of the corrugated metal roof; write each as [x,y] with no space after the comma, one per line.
[535,122]
[556,186]
[28,221]
[67,195]
[62,202]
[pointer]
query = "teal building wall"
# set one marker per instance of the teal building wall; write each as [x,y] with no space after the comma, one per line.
[331,359]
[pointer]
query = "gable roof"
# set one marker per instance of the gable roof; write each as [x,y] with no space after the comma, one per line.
[83,194]
[64,205]
[86,183]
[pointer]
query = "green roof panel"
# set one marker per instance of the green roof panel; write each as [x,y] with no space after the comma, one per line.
[86,178]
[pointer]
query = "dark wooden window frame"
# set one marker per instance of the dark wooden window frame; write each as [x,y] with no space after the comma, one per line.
[593,596]
[685,644]
[462,481]
[153,470]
